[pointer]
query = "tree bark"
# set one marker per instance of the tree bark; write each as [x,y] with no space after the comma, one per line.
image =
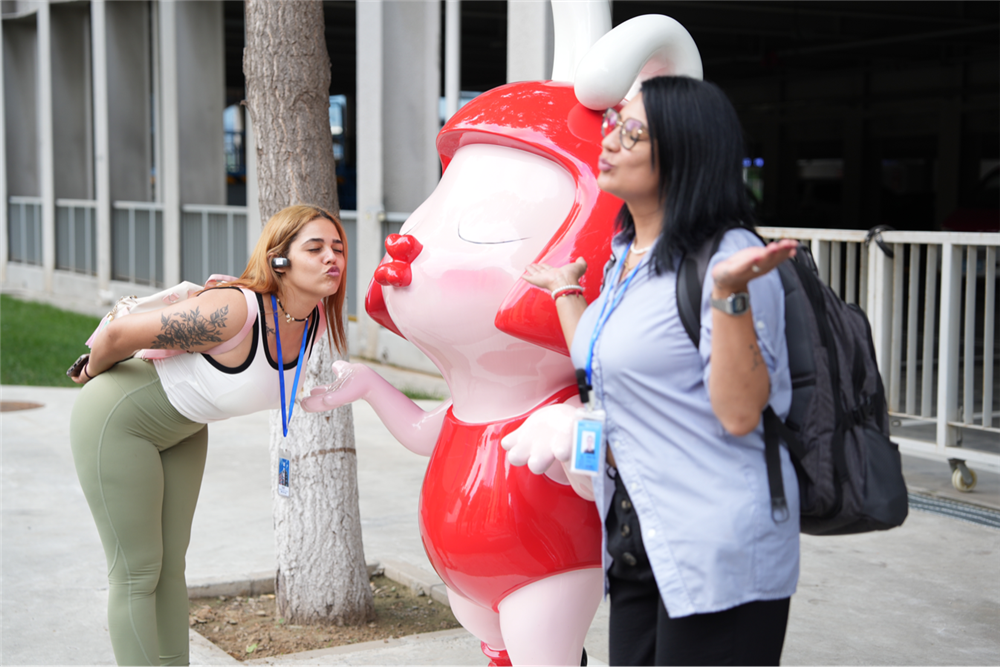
[321,574]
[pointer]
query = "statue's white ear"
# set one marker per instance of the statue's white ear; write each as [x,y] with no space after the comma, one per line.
[638,49]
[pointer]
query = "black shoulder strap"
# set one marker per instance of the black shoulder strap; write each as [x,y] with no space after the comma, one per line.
[690,277]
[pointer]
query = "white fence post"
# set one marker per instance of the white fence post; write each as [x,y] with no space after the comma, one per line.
[930,308]
[968,368]
[895,341]
[913,284]
[880,310]
[951,276]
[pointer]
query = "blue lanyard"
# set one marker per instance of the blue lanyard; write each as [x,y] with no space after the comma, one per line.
[281,366]
[617,292]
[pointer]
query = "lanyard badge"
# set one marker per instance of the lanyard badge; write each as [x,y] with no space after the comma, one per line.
[588,441]
[284,464]
[588,425]
[588,430]
[284,460]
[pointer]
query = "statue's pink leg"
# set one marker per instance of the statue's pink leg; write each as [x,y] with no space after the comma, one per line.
[482,622]
[545,622]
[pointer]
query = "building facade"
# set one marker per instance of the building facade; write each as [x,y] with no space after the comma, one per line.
[128,164]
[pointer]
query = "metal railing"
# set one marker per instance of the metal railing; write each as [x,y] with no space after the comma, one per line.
[213,240]
[932,306]
[24,230]
[137,242]
[76,235]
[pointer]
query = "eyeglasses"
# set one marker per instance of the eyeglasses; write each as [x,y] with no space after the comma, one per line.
[632,130]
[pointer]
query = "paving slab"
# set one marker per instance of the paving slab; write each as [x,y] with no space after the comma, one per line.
[927,593]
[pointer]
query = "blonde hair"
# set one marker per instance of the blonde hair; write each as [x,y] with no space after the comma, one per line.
[275,240]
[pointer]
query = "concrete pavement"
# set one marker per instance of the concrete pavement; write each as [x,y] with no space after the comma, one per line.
[927,593]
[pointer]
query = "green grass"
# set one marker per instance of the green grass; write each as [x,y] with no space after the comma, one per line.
[39,342]
[417,395]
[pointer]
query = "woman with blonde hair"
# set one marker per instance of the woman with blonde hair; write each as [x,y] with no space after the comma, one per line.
[139,428]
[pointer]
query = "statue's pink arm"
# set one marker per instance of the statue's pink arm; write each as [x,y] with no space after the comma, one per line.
[415,428]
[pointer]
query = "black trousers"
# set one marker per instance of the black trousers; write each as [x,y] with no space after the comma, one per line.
[642,632]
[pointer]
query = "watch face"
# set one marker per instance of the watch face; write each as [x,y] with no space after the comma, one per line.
[739,303]
[736,303]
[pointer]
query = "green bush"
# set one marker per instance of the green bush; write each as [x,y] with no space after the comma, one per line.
[39,342]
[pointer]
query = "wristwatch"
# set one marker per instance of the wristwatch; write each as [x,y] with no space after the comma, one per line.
[736,303]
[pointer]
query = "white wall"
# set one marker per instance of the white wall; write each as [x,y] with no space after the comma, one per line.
[411,93]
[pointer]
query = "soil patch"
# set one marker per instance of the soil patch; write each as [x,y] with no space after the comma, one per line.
[249,627]
[14,406]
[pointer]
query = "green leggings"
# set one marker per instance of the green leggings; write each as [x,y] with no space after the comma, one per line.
[140,464]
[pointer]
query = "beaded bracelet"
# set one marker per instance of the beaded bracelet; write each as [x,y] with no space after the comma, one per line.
[566,289]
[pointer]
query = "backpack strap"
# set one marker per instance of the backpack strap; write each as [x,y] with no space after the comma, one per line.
[691,272]
[773,434]
[690,281]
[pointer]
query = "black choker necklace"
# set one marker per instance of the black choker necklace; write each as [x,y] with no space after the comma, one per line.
[288,318]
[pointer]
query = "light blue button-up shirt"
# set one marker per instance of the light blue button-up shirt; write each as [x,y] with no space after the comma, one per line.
[701,494]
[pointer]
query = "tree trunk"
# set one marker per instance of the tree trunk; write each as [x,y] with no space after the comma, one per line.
[321,574]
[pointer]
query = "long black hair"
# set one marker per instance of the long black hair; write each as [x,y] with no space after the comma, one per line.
[699,146]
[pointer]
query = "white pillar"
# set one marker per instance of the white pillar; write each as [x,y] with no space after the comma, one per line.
[102,168]
[411,78]
[170,137]
[46,163]
[369,30]
[452,56]
[529,40]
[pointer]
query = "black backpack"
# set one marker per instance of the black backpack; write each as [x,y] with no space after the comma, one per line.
[837,431]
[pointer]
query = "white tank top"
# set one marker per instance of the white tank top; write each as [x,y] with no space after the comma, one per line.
[205,391]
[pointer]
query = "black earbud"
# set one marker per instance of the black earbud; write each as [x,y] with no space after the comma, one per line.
[280,263]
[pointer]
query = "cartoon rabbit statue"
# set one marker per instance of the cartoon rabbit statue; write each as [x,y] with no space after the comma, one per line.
[520,553]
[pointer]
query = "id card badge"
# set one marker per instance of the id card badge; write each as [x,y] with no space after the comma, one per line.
[588,441]
[283,468]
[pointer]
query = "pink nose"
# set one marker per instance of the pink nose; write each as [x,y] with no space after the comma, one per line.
[403,249]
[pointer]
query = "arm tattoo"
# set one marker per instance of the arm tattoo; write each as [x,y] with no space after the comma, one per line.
[755,353]
[184,331]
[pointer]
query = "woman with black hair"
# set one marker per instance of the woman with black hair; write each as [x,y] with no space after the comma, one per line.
[698,570]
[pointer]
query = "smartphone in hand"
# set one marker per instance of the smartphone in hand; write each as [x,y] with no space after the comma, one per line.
[77,367]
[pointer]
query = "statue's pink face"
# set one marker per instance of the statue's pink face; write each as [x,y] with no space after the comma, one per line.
[489,217]
[519,186]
